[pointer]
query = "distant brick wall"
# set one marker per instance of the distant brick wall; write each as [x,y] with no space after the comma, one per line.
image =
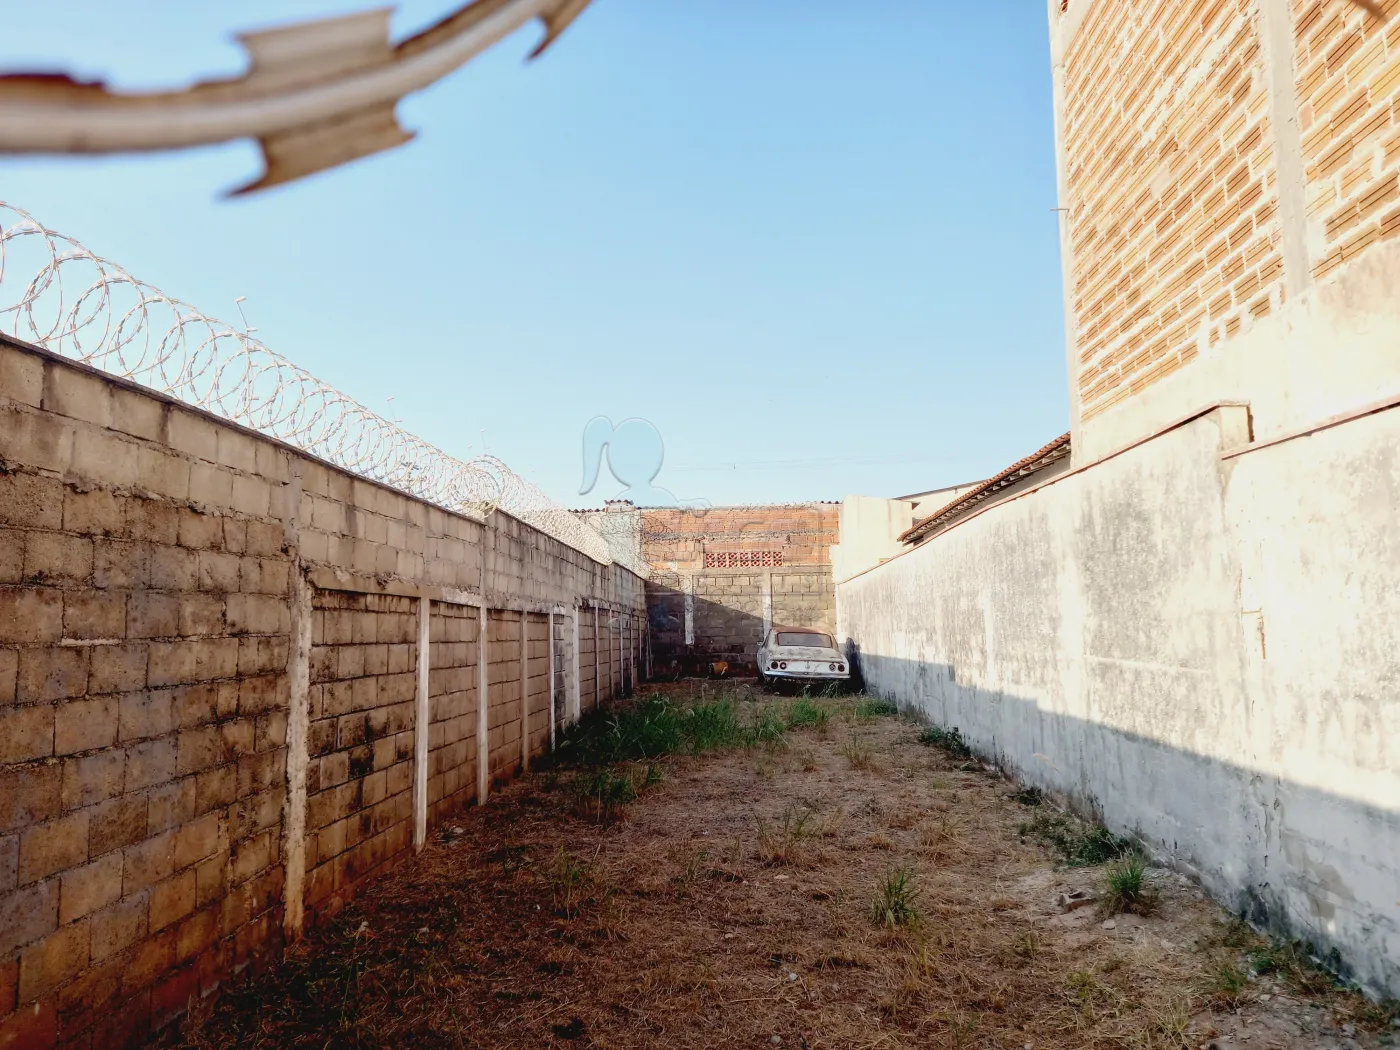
[677,539]
[740,564]
[155,564]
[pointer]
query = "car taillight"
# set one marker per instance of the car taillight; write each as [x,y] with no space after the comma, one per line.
[833,667]
[840,667]
[773,666]
[783,665]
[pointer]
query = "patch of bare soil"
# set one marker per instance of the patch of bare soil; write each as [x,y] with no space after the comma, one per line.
[843,886]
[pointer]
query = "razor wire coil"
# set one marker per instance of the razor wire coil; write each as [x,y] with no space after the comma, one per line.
[83,306]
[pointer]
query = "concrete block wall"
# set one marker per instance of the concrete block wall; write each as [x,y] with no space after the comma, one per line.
[504,692]
[588,698]
[806,599]
[452,684]
[210,681]
[538,663]
[359,810]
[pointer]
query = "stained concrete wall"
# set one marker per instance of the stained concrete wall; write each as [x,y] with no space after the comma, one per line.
[236,683]
[1197,646]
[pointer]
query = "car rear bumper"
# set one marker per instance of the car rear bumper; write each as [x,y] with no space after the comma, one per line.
[809,676]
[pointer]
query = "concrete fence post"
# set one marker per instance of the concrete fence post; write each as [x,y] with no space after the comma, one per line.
[574,694]
[298,758]
[689,582]
[597,687]
[767,604]
[420,728]
[552,716]
[483,746]
[525,690]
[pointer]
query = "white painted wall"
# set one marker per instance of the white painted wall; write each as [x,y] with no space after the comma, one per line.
[1201,650]
[869,532]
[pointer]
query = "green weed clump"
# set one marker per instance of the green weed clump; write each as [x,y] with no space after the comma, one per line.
[602,794]
[654,726]
[767,727]
[871,707]
[894,903]
[780,842]
[1078,845]
[807,713]
[567,877]
[1125,887]
[1226,985]
[947,739]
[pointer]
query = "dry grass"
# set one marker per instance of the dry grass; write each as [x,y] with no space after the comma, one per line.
[726,906]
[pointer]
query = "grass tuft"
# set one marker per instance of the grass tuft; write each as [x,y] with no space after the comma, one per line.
[654,726]
[858,753]
[1125,888]
[893,904]
[807,713]
[872,707]
[567,877]
[780,842]
[602,794]
[1226,985]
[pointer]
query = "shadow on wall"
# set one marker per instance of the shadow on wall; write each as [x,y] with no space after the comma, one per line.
[721,632]
[1265,846]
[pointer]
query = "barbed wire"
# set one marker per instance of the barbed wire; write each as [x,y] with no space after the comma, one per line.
[89,308]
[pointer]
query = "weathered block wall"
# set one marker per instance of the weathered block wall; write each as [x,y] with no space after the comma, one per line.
[804,599]
[503,667]
[729,617]
[538,641]
[176,593]
[359,811]
[588,693]
[454,641]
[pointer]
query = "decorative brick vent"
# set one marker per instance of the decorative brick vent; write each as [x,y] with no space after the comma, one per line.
[743,559]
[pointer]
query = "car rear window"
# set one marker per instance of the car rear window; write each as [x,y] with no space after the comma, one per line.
[804,638]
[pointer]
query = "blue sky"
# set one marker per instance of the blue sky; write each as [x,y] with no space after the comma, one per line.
[811,240]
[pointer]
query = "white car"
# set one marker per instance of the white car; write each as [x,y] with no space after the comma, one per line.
[801,654]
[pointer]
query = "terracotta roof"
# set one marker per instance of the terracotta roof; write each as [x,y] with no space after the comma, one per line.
[1022,468]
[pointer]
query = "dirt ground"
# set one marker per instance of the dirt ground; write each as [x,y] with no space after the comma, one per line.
[731,905]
